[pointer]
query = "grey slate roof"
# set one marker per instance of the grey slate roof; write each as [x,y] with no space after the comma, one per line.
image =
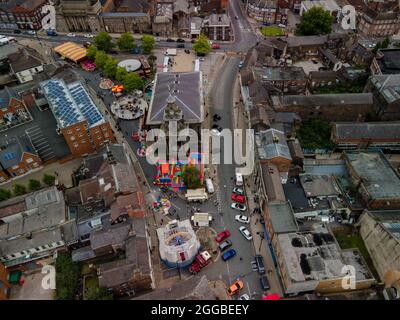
[329,99]
[367,130]
[272,143]
[11,154]
[185,87]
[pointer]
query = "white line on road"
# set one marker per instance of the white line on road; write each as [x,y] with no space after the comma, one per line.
[248,288]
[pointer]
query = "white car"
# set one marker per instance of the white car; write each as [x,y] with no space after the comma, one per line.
[31,32]
[215,132]
[157,39]
[244,297]
[242,218]
[246,233]
[238,206]
[71,35]
[281,26]
[88,35]
[238,191]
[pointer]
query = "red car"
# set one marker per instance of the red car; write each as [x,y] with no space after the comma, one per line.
[222,236]
[238,198]
[215,46]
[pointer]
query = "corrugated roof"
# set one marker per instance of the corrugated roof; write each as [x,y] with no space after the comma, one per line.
[71,51]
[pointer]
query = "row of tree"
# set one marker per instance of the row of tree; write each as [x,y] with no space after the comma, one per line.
[109,65]
[33,185]
[126,42]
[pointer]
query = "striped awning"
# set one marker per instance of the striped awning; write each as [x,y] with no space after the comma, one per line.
[71,51]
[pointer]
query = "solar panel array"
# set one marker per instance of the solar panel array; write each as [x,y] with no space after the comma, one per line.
[71,104]
[61,102]
[9,155]
[85,104]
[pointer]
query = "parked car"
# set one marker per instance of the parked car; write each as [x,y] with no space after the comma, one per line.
[73,35]
[242,218]
[88,35]
[239,179]
[180,45]
[244,297]
[222,235]
[180,40]
[229,254]
[236,18]
[238,191]
[225,245]
[51,32]
[281,26]
[170,40]
[238,198]
[215,46]
[216,130]
[216,117]
[201,59]
[157,39]
[245,232]
[17,31]
[241,63]
[260,263]
[238,206]
[235,287]
[33,32]
[187,51]
[264,283]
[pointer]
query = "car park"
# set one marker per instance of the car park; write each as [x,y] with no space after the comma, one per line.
[235,287]
[244,297]
[238,198]
[238,191]
[264,283]
[260,263]
[225,245]
[238,206]
[242,218]
[229,254]
[222,235]
[246,233]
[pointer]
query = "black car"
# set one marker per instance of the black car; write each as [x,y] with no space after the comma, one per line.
[215,126]
[216,117]
[170,40]
[260,264]
[180,45]
[225,245]
[201,54]
[264,283]
[193,41]
[17,31]
[180,40]
[187,51]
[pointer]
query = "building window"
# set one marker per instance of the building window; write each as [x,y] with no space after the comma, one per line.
[29,160]
[72,138]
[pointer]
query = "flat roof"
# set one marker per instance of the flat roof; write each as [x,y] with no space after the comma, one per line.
[282,217]
[378,176]
[185,87]
[279,73]
[367,130]
[329,99]
[319,185]
[390,62]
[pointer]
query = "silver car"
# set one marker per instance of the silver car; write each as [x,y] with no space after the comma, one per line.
[246,233]
[238,206]
[242,218]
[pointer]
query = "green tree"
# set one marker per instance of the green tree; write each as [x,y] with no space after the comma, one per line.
[67,277]
[96,293]
[34,184]
[315,21]
[381,45]
[132,81]
[110,67]
[148,43]
[49,179]
[191,177]
[101,59]
[315,134]
[126,42]
[104,41]
[202,45]
[91,52]
[5,194]
[19,189]
[120,74]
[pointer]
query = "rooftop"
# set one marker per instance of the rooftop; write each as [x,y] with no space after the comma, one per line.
[328,99]
[11,154]
[389,63]
[319,185]
[314,256]
[273,183]
[279,73]
[388,86]
[282,217]
[367,130]
[378,176]
[217,20]
[185,87]
[24,59]
[389,219]
[71,103]
[272,143]
[329,5]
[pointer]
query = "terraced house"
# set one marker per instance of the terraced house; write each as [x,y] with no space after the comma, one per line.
[22,14]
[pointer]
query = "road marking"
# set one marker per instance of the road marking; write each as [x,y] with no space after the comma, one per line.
[248,288]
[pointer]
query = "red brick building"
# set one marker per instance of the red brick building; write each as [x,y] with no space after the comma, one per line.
[4,284]
[79,120]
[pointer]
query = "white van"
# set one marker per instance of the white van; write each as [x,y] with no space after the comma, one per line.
[239,179]
[209,186]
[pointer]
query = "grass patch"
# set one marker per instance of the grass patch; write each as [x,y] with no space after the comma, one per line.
[272,31]
[355,241]
[315,134]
